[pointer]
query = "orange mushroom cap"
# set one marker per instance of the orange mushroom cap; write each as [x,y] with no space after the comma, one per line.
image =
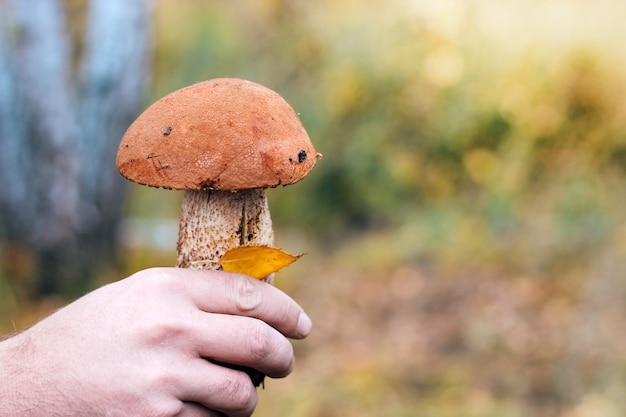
[223,134]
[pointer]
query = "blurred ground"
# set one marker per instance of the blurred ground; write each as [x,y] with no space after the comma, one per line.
[466,230]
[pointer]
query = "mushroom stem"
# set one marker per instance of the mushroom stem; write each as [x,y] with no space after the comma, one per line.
[214,221]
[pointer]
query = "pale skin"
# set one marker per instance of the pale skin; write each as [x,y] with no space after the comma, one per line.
[143,346]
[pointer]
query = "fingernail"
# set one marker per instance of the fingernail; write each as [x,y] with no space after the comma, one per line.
[304,325]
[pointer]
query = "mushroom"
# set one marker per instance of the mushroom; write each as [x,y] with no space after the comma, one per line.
[223,141]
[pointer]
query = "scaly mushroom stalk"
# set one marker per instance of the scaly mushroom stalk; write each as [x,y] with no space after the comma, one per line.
[213,222]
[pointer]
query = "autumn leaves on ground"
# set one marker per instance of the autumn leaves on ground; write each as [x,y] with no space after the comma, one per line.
[419,338]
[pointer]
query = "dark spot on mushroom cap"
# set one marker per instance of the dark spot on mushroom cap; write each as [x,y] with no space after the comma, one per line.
[302,156]
[167,130]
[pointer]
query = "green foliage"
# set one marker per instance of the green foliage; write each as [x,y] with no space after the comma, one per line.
[406,117]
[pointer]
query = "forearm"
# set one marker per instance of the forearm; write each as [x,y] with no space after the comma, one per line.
[26,387]
[15,396]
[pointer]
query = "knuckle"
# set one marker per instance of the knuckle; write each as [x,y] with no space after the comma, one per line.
[241,393]
[156,380]
[289,316]
[151,321]
[156,329]
[154,282]
[152,407]
[260,344]
[265,349]
[245,294]
[163,331]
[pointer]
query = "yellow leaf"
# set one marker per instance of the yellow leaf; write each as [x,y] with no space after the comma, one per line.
[256,261]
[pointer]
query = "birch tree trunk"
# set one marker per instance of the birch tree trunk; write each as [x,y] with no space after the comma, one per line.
[60,125]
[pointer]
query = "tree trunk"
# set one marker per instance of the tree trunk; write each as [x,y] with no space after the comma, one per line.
[59,130]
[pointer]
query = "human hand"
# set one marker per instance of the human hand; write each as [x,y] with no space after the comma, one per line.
[142,347]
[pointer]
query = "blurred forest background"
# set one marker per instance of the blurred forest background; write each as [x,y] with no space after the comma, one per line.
[466,229]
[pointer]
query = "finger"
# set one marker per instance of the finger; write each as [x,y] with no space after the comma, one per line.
[191,409]
[217,388]
[221,292]
[243,341]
